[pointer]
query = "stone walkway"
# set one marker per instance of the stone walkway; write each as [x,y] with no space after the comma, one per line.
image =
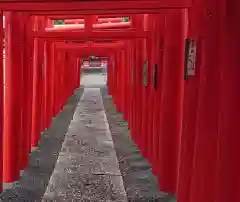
[79,159]
[87,168]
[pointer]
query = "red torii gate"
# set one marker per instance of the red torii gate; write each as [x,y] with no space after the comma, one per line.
[199,125]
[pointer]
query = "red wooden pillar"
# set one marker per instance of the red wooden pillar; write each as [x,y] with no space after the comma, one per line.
[78,73]
[1,99]
[63,75]
[13,96]
[37,99]
[227,173]
[160,28]
[48,77]
[124,81]
[35,133]
[139,87]
[128,85]
[206,146]
[137,99]
[113,59]
[118,80]
[110,75]
[29,60]
[58,82]
[132,90]
[171,99]
[27,87]
[191,93]
[145,106]
[61,88]
[115,72]
[56,70]
[150,99]
[52,78]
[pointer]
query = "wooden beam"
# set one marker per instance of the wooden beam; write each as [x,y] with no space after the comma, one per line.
[92,35]
[125,12]
[92,51]
[74,46]
[14,5]
[71,15]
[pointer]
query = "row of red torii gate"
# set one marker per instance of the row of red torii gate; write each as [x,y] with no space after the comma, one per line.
[172,71]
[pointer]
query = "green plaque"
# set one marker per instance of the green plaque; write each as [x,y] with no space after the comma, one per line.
[154,78]
[145,74]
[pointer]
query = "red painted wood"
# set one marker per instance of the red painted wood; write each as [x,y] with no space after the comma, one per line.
[92,35]
[153,42]
[171,100]
[73,21]
[1,101]
[206,147]
[30,50]
[89,46]
[227,178]
[92,5]
[139,86]
[191,92]
[13,98]
[112,25]
[78,73]
[23,36]
[118,12]
[145,106]
[160,24]
[105,20]
[64,28]
[37,102]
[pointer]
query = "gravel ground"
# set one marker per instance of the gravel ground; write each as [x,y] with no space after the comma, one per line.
[87,168]
[139,182]
[34,180]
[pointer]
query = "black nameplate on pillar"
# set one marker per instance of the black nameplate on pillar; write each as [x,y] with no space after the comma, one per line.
[145,74]
[190,58]
[154,78]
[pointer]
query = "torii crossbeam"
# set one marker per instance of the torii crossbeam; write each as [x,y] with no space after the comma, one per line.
[38,5]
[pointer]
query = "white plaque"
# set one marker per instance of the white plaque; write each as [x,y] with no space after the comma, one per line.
[191,58]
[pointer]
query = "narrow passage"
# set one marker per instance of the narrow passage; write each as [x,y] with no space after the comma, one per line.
[87,168]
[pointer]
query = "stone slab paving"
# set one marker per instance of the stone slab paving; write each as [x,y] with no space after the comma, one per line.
[87,167]
[93,80]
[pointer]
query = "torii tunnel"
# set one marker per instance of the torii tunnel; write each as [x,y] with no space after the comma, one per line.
[173,72]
